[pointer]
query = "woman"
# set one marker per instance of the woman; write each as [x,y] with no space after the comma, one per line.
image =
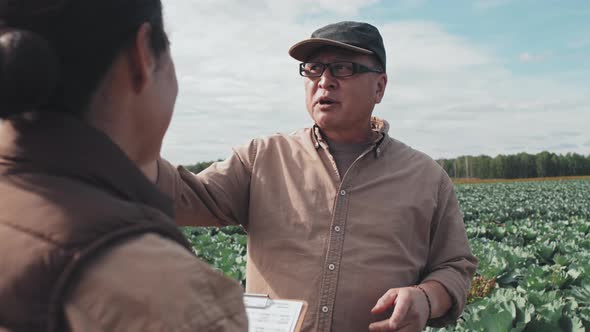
[87,243]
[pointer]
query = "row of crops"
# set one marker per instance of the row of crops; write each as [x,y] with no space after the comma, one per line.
[533,242]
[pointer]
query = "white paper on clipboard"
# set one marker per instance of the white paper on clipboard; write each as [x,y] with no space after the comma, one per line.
[268,315]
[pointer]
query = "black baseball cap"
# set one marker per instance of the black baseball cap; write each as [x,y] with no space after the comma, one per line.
[354,36]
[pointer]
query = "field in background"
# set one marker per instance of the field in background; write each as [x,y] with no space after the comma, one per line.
[532,242]
[532,239]
[559,178]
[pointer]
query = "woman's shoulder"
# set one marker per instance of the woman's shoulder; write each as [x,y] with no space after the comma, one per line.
[152,283]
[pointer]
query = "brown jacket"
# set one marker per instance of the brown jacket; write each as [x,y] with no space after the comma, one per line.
[72,203]
[338,241]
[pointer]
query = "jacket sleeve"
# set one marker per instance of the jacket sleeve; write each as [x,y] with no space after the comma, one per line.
[123,290]
[218,196]
[450,262]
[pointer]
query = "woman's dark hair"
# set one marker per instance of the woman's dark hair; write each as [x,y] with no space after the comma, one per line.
[54,53]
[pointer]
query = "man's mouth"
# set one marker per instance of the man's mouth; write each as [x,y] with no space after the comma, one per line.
[326,101]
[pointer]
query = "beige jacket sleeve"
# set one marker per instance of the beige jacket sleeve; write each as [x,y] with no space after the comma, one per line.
[450,262]
[152,284]
[218,196]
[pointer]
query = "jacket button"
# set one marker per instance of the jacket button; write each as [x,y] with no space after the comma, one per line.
[325,309]
[342,192]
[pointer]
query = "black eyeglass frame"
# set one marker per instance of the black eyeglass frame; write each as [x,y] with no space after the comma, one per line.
[357,68]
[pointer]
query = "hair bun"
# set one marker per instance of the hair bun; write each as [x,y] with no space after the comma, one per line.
[28,71]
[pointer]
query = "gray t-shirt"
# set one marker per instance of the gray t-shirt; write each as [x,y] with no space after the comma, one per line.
[346,153]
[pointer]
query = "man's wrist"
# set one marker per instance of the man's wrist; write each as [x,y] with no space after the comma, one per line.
[423,291]
[440,299]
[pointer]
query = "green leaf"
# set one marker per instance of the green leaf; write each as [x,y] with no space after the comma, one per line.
[501,321]
[581,294]
[572,324]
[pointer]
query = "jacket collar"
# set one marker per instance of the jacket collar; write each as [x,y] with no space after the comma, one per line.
[60,144]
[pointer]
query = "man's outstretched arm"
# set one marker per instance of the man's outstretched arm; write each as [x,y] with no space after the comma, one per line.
[218,196]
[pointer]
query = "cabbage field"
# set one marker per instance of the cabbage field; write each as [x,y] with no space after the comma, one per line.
[533,242]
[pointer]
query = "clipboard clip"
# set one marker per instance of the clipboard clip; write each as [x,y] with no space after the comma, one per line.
[257,300]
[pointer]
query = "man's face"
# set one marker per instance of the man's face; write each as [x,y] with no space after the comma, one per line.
[343,104]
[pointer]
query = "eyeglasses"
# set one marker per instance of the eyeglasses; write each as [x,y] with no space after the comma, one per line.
[337,69]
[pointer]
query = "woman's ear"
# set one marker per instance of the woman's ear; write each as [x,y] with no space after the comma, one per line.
[142,61]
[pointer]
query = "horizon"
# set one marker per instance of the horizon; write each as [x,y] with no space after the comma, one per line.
[441,159]
[480,77]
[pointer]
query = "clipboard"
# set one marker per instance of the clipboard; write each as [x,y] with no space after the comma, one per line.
[266,314]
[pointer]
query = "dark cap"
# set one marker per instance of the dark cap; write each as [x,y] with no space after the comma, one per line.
[354,36]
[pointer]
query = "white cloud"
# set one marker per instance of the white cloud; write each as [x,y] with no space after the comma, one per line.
[446,95]
[487,4]
[529,57]
[525,57]
[347,7]
[425,47]
[580,43]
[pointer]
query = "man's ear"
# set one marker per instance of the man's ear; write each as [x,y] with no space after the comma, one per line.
[142,61]
[380,90]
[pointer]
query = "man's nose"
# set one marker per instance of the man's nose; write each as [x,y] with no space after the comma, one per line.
[327,81]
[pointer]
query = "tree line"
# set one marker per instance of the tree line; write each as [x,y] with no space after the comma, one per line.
[198,167]
[515,166]
[521,165]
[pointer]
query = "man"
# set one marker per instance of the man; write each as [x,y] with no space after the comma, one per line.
[362,227]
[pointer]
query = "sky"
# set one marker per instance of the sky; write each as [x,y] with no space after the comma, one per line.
[465,77]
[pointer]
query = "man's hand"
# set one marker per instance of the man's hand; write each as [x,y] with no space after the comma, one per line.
[410,311]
